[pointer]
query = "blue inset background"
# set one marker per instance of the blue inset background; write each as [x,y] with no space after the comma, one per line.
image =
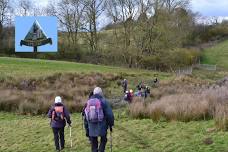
[47,23]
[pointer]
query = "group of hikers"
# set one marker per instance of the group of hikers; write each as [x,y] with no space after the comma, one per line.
[97,114]
[141,91]
[98,118]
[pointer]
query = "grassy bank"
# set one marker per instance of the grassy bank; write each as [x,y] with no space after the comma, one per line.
[33,134]
[33,68]
[217,54]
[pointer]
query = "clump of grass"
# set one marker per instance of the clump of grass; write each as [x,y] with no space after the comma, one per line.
[137,108]
[27,107]
[207,104]
[183,107]
[221,116]
[154,112]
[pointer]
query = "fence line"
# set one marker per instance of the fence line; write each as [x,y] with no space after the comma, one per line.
[207,67]
[184,71]
[188,70]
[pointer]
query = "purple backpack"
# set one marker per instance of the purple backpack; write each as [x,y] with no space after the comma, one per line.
[94,111]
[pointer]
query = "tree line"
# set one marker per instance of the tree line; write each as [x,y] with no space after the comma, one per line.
[152,34]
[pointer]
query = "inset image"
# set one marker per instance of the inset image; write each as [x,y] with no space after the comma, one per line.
[36,34]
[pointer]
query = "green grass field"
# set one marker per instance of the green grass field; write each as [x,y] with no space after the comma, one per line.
[33,134]
[33,68]
[22,68]
[217,54]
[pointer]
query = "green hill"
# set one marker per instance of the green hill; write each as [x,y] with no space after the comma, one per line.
[27,68]
[217,54]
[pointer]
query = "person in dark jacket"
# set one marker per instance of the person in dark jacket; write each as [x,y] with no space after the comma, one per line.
[140,86]
[99,129]
[59,115]
[124,85]
[146,92]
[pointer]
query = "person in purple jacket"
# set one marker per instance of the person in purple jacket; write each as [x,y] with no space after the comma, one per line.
[59,115]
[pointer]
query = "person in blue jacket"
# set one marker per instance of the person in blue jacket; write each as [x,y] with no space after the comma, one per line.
[99,128]
[59,115]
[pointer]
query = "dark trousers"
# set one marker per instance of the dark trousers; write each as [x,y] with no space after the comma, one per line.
[94,143]
[59,137]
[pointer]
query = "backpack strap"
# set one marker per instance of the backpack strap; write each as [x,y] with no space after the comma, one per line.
[53,115]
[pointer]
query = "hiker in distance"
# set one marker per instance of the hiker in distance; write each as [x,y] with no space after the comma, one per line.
[124,85]
[100,117]
[59,115]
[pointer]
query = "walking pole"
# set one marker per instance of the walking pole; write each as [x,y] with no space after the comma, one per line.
[111,140]
[82,123]
[71,144]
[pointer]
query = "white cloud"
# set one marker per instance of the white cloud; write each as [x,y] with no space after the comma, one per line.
[210,7]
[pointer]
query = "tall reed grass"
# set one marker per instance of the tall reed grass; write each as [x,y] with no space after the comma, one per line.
[212,103]
[35,96]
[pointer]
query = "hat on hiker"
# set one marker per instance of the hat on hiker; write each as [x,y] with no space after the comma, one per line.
[58,99]
[97,90]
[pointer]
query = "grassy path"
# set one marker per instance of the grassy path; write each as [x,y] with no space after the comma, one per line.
[33,134]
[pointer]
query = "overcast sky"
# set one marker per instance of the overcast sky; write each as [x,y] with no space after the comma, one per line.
[210,7]
[204,7]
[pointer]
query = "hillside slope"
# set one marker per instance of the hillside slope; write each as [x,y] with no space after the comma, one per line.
[217,54]
[34,68]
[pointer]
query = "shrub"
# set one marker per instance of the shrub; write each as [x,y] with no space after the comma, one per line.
[171,59]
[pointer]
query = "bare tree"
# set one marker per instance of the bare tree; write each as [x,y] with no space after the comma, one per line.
[4,5]
[94,9]
[171,5]
[4,10]
[113,13]
[70,14]
[38,10]
[25,6]
[124,13]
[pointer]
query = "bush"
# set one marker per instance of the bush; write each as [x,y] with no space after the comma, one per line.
[171,59]
[150,62]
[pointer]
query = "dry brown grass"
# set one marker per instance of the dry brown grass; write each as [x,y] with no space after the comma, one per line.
[201,104]
[137,108]
[35,96]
